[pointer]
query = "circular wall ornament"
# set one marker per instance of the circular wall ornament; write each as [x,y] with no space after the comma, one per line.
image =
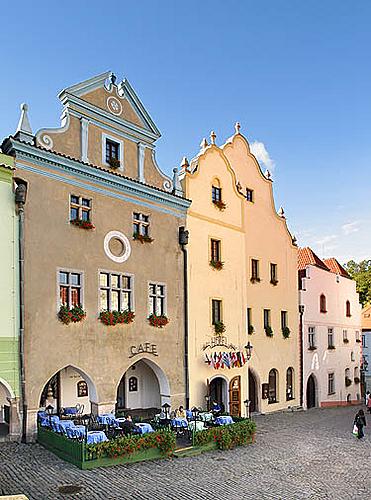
[114,105]
[114,251]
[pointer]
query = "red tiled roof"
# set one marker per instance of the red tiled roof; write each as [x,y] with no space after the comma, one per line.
[335,267]
[307,257]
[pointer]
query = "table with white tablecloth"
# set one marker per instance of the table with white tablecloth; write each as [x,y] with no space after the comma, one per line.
[224,420]
[96,437]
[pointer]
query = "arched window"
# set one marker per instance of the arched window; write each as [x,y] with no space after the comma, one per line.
[347,308]
[82,389]
[133,384]
[272,386]
[356,373]
[289,384]
[216,191]
[322,303]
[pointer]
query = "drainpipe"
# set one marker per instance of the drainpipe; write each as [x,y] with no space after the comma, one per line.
[301,358]
[20,200]
[183,241]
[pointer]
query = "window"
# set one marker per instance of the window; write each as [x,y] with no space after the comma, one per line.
[330,338]
[331,383]
[283,319]
[157,299]
[140,224]
[274,279]
[255,270]
[80,208]
[347,309]
[364,341]
[249,321]
[289,384]
[112,150]
[267,318]
[215,250]
[70,288]
[311,337]
[356,372]
[133,384]
[345,336]
[216,311]
[272,386]
[358,336]
[352,358]
[82,389]
[322,304]
[115,292]
[216,194]
[249,195]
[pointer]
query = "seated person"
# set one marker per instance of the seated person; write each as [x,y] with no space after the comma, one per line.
[128,426]
[216,408]
[180,413]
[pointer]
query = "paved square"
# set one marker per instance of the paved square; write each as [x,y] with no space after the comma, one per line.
[301,455]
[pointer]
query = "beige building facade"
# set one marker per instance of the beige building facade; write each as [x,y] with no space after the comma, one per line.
[243,296]
[104,316]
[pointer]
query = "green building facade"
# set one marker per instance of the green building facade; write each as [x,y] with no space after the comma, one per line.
[9,347]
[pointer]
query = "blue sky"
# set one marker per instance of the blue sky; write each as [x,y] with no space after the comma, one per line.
[295,74]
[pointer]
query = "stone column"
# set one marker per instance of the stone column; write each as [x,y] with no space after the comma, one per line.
[105,407]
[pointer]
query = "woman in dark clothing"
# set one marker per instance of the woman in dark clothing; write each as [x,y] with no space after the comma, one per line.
[360,422]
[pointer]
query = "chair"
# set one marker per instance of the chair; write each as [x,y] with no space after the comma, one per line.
[93,424]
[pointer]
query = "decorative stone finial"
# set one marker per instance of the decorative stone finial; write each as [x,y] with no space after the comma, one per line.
[268,174]
[237,127]
[212,137]
[204,144]
[281,212]
[24,131]
[185,164]
[112,79]
[177,187]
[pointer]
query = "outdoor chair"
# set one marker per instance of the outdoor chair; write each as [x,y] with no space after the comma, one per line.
[93,424]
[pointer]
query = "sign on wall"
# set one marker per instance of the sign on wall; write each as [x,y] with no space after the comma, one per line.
[145,347]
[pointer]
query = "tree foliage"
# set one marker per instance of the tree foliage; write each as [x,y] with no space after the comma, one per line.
[361,273]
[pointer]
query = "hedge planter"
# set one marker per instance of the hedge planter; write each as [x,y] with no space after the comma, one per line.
[286,332]
[73,315]
[158,321]
[111,318]
[228,436]
[268,331]
[142,238]
[220,204]
[216,264]
[82,224]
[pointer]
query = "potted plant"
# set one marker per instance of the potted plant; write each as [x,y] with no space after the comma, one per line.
[286,332]
[348,382]
[219,327]
[217,264]
[143,238]
[220,204]
[251,329]
[158,320]
[111,318]
[83,224]
[73,315]
[114,163]
[268,331]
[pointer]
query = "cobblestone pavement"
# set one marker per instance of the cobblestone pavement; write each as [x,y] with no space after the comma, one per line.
[301,455]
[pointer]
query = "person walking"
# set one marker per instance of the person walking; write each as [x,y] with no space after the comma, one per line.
[360,422]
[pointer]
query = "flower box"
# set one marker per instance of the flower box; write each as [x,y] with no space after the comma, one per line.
[142,238]
[268,331]
[348,382]
[83,224]
[274,282]
[331,347]
[73,315]
[357,380]
[358,341]
[220,204]
[312,348]
[346,341]
[216,264]
[219,327]
[111,318]
[158,321]
[286,332]
[114,163]
[255,280]
[251,329]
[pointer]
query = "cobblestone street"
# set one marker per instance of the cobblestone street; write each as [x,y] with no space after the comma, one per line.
[301,455]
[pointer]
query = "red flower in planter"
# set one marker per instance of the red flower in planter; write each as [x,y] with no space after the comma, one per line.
[111,318]
[83,224]
[66,315]
[158,321]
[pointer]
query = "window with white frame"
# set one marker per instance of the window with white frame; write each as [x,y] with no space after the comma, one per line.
[357,336]
[70,288]
[115,292]
[352,358]
[311,337]
[157,299]
[80,208]
[331,383]
[330,338]
[141,224]
[112,150]
[345,336]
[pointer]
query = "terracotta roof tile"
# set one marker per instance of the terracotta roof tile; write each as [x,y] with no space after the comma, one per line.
[307,257]
[335,267]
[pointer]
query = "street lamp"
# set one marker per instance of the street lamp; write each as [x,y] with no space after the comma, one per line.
[247,403]
[248,348]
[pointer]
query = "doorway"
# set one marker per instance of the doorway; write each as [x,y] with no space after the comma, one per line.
[311,392]
[218,392]
[253,393]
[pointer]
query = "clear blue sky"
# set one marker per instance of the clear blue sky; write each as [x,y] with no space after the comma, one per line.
[296,74]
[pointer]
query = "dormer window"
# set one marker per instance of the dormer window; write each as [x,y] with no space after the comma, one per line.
[216,194]
[249,195]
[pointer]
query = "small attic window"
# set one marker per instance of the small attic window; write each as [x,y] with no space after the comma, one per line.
[249,195]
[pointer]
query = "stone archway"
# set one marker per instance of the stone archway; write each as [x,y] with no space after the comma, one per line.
[218,390]
[311,392]
[253,392]
[9,417]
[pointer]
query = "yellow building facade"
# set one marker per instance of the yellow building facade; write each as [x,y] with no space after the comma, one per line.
[243,340]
